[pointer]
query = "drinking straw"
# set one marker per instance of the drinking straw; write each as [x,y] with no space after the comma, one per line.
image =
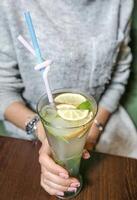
[43,65]
[33,36]
[38,53]
[45,77]
[40,66]
[27,45]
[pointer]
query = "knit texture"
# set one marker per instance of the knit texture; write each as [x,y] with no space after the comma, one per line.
[86,39]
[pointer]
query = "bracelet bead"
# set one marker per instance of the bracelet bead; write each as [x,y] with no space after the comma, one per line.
[99,125]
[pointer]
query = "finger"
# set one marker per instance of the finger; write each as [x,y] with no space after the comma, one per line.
[50,190]
[58,179]
[86,154]
[61,188]
[45,147]
[90,144]
[40,133]
[55,186]
[47,162]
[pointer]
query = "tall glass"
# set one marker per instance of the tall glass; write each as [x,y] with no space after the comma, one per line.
[66,147]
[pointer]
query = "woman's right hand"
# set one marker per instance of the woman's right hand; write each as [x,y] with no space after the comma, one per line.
[54,178]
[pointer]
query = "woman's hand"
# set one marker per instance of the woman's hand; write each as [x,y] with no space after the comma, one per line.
[90,141]
[54,178]
[94,133]
[92,137]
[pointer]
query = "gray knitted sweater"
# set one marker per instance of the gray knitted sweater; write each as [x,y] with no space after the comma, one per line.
[86,39]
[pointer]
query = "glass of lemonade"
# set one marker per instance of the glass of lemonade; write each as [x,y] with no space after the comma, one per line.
[66,124]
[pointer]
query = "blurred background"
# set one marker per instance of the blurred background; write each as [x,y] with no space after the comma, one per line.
[129,100]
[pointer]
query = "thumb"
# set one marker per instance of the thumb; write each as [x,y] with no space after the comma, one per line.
[45,147]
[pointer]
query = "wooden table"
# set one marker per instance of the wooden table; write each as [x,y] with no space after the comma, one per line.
[106,177]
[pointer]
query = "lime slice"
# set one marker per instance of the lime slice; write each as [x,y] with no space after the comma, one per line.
[69,112]
[65,107]
[70,98]
[86,120]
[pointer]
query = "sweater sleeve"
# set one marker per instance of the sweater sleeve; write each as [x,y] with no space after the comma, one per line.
[111,98]
[11,84]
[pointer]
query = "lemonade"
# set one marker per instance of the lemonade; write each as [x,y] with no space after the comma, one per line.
[67,123]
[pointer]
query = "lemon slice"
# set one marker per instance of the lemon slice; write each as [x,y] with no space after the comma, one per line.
[70,98]
[69,112]
[77,133]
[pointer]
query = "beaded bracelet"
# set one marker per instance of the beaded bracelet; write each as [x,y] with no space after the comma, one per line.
[31,125]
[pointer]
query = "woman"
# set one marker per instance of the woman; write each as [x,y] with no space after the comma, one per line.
[88,42]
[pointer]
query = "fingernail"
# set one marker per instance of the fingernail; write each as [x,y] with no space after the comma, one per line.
[66,176]
[60,193]
[86,155]
[72,189]
[75,185]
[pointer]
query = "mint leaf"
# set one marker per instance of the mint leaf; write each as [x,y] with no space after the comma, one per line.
[86,105]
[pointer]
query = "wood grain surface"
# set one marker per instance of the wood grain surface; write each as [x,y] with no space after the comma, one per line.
[106,177]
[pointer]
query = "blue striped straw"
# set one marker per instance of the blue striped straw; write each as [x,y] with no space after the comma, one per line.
[33,36]
[38,53]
